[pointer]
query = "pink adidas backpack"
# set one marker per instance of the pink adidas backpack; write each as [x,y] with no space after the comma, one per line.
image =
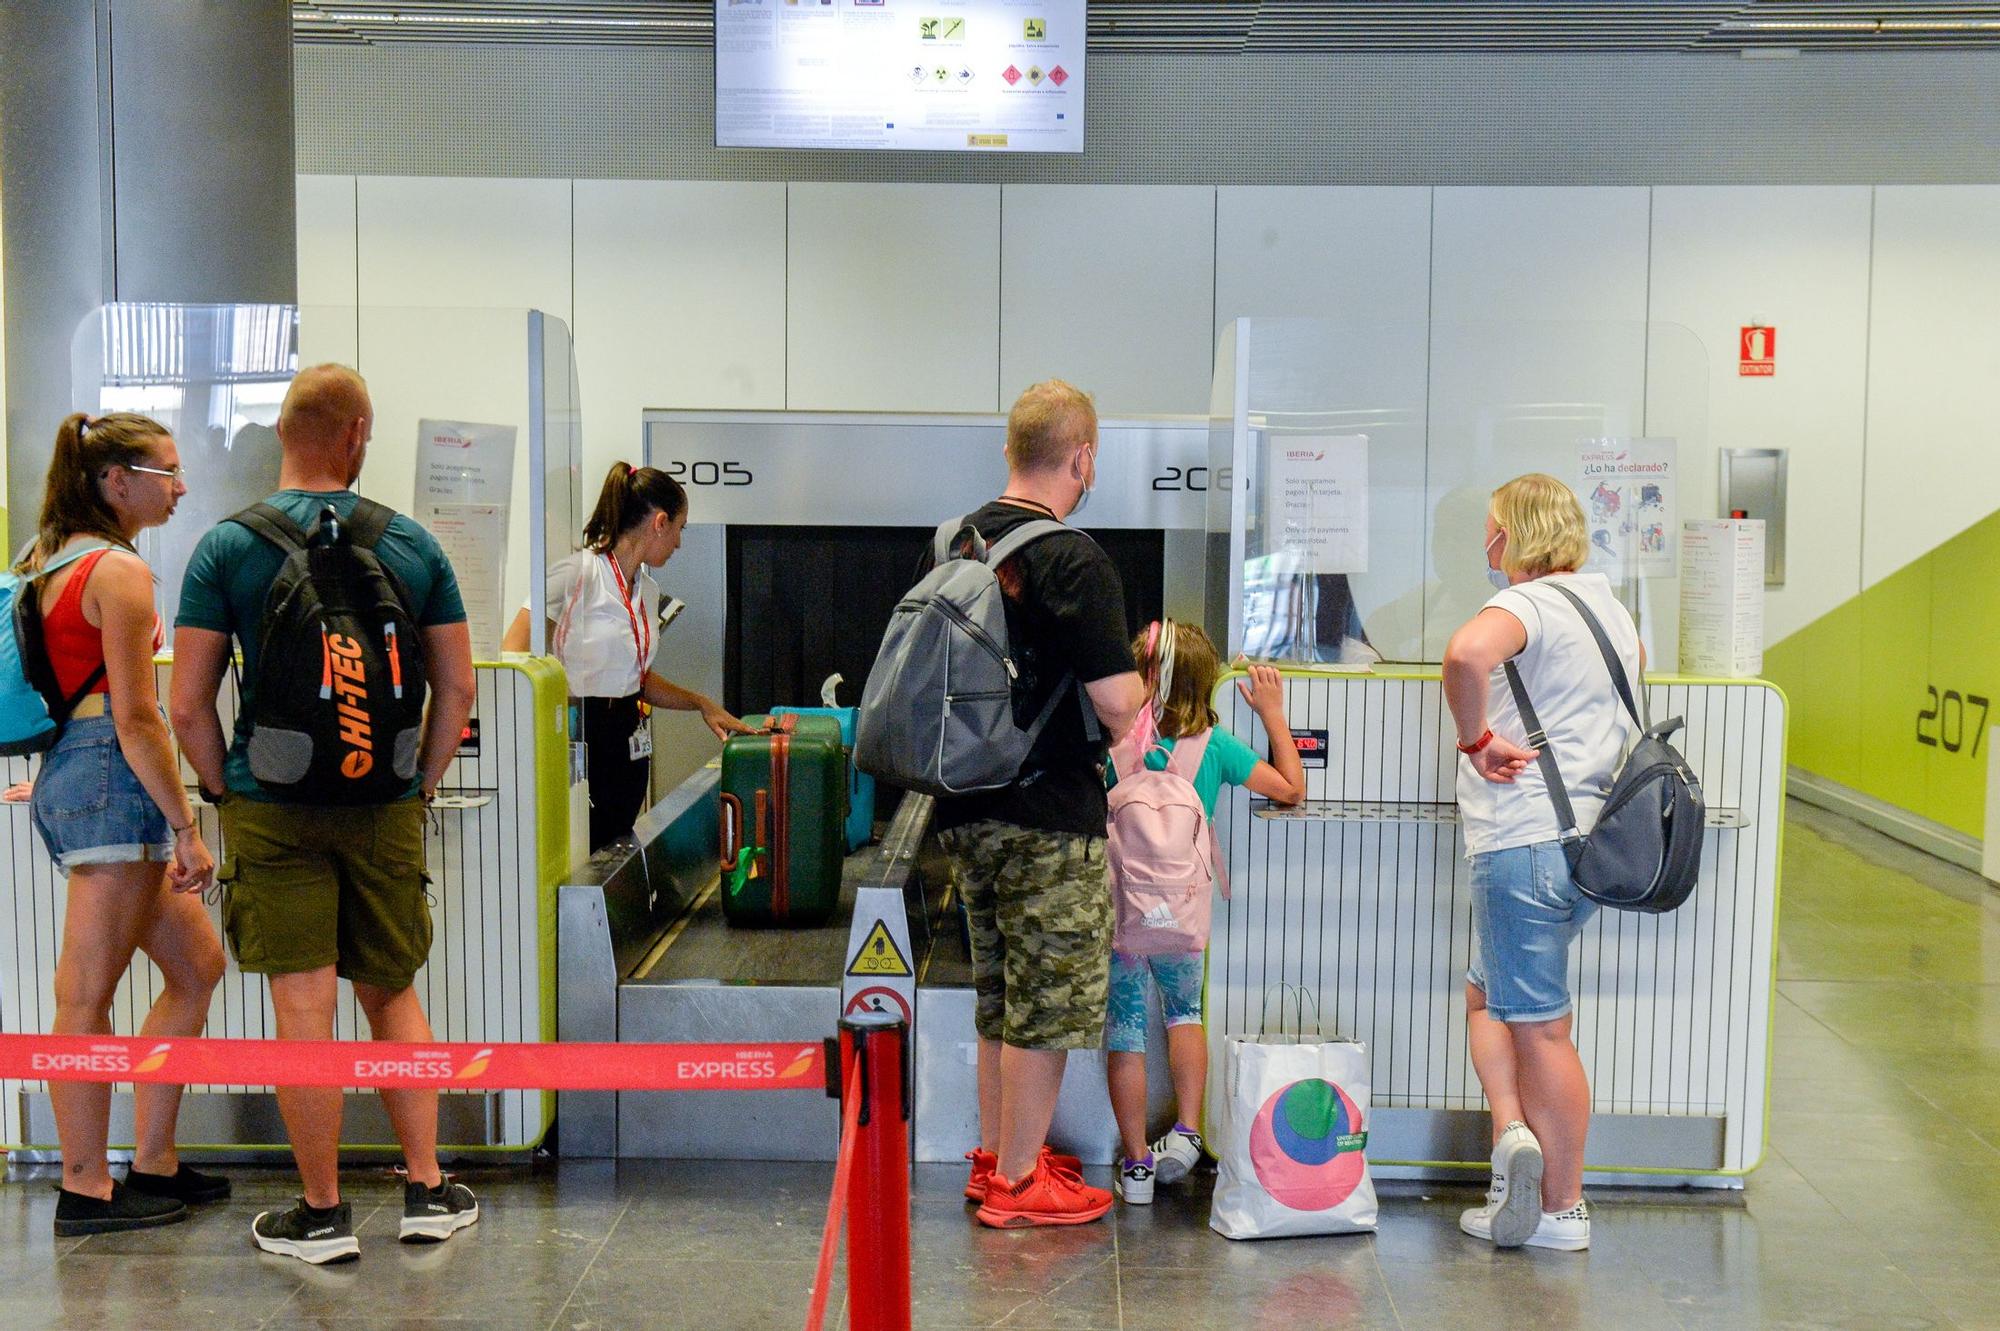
[1162,851]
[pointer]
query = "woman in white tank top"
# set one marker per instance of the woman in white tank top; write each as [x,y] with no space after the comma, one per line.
[1526,906]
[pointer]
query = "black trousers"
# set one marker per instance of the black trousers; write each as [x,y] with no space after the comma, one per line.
[618,781]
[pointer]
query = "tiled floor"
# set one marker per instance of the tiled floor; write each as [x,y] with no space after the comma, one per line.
[1877,1206]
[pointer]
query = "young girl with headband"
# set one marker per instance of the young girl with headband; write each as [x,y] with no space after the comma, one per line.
[1179,665]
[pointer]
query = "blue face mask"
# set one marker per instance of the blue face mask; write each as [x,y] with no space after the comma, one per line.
[1496,576]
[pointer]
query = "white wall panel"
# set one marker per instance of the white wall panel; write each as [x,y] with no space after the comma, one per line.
[1354,254]
[680,302]
[893,297]
[458,240]
[1538,315]
[327,276]
[1796,259]
[1111,287]
[1934,370]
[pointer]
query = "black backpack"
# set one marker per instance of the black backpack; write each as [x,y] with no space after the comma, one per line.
[338,716]
[1644,854]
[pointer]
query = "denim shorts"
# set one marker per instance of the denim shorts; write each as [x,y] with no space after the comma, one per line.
[89,806]
[1179,976]
[1526,910]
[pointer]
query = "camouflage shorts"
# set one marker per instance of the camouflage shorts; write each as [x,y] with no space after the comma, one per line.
[1040,909]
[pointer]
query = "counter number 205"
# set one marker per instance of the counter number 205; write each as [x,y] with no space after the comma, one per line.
[1942,725]
[709,473]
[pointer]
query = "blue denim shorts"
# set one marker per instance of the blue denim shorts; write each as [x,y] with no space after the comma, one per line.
[1526,911]
[1179,976]
[88,805]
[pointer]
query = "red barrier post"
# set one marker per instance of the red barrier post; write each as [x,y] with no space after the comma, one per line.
[878,1207]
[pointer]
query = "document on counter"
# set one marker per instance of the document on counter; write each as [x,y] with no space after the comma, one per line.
[1316,501]
[1627,487]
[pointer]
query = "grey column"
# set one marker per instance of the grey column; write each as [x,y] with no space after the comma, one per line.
[145,155]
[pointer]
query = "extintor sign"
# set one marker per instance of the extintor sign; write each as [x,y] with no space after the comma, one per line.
[1757,351]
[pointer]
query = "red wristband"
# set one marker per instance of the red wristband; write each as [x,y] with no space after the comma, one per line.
[1477,744]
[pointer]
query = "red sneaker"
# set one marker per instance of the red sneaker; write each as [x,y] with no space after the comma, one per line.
[1050,1195]
[985,1162]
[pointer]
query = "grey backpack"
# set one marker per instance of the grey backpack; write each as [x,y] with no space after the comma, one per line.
[937,715]
[1644,854]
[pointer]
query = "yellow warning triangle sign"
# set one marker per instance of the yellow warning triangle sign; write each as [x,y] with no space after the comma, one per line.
[879,955]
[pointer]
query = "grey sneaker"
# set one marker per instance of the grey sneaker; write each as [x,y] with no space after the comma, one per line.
[1176,1154]
[432,1215]
[1513,1207]
[312,1236]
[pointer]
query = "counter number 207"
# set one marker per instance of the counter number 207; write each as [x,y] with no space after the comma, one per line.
[1945,719]
[709,473]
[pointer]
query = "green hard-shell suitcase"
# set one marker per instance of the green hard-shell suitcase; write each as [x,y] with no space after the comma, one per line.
[784,808]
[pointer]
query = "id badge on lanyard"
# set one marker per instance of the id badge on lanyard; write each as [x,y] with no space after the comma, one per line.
[641,743]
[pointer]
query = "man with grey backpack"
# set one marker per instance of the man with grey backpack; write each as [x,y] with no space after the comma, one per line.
[1003,677]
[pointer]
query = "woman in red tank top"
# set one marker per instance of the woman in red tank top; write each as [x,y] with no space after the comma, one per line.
[111,809]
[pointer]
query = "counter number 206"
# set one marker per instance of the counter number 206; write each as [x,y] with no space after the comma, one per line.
[709,473]
[1942,725]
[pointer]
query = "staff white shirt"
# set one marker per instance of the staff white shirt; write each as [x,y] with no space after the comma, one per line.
[603,638]
[1578,706]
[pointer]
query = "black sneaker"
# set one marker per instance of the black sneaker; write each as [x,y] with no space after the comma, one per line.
[78,1213]
[310,1235]
[432,1215]
[186,1185]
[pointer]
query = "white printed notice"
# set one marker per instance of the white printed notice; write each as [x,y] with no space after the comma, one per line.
[942,75]
[1628,501]
[1722,597]
[1316,501]
[465,486]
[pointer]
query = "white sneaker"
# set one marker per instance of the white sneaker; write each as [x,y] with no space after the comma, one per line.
[1176,1154]
[1513,1207]
[1566,1231]
[1478,1221]
[1135,1181]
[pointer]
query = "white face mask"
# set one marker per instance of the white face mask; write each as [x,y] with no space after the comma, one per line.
[1084,498]
[1496,576]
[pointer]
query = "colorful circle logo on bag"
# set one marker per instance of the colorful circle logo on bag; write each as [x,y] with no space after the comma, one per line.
[1307,1145]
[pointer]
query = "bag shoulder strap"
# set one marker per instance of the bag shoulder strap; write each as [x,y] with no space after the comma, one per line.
[1610,654]
[368,523]
[1538,740]
[1026,534]
[1184,759]
[272,524]
[941,543]
[67,558]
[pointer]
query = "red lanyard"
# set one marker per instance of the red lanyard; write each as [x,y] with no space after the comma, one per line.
[642,638]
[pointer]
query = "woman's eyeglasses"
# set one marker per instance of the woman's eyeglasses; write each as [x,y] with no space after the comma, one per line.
[172,473]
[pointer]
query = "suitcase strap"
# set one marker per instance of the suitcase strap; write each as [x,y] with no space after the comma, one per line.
[781,850]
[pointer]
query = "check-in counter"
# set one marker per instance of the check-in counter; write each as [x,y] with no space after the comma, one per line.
[1362,896]
[497,845]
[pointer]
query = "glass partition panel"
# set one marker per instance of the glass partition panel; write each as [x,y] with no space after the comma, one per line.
[476,431]
[1354,465]
[214,376]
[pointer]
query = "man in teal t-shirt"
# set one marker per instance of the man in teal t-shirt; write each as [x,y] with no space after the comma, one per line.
[317,891]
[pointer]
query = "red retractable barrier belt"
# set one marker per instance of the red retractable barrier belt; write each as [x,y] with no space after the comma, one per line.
[442,1065]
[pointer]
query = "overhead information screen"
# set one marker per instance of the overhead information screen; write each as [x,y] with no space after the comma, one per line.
[942,75]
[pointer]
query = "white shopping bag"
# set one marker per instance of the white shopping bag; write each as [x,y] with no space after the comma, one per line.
[1294,1135]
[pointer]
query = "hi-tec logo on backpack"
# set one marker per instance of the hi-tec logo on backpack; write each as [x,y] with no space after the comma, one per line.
[347,678]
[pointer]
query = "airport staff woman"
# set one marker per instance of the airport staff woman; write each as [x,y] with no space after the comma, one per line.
[605,606]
